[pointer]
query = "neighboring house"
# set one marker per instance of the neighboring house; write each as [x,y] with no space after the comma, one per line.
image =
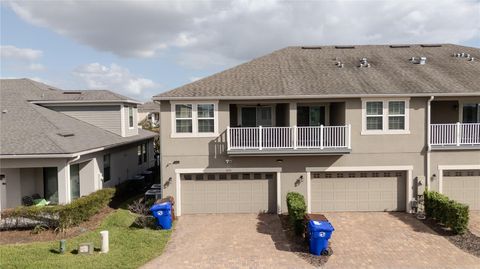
[149,111]
[352,128]
[66,144]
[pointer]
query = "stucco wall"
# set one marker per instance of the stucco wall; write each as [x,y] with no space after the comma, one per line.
[367,150]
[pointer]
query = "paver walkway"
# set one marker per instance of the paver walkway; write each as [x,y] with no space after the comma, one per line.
[474,223]
[228,241]
[391,240]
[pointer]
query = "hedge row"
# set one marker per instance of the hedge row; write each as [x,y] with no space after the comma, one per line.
[296,211]
[449,212]
[59,216]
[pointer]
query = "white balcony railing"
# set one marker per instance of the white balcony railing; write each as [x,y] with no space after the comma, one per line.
[455,134]
[314,137]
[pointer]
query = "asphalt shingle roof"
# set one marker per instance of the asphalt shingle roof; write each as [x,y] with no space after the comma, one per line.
[27,128]
[298,71]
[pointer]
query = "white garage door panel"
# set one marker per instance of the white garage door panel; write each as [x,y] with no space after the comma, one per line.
[228,196]
[463,186]
[357,193]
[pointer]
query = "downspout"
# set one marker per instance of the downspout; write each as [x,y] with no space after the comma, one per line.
[429,147]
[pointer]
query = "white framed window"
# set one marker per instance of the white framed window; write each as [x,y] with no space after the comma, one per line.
[130,117]
[194,119]
[385,116]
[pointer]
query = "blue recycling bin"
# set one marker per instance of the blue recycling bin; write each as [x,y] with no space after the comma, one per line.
[163,213]
[319,232]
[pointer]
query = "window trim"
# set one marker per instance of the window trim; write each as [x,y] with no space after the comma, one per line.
[194,133]
[385,116]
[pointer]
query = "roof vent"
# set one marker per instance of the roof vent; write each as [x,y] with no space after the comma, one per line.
[339,64]
[431,45]
[399,46]
[5,111]
[344,47]
[65,134]
[72,92]
[311,47]
[419,60]
[364,63]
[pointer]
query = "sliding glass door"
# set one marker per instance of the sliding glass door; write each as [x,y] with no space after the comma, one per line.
[50,184]
[257,116]
[310,115]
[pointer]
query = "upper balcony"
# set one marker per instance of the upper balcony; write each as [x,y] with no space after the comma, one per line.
[455,125]
[289,140]
[288,129]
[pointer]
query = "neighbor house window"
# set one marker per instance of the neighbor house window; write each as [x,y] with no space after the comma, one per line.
[194,119]
[385,116]
[139,154]
[130,117]
[144,152]
[106,167]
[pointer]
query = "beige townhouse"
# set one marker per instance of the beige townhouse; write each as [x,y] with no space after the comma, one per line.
[352,128]
[60,145]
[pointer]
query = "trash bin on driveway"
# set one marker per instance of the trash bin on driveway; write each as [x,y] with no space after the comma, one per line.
[319,234]
[163,213]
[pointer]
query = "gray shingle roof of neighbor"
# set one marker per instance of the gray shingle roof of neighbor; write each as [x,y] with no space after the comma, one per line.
[308,72]
[149,107]
[27,128]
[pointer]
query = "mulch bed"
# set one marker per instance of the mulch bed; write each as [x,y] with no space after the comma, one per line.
[26,236]
[467,242]
[299,246]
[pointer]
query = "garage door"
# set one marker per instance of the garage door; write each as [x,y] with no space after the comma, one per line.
[358,191]
[228,193]
[463,186]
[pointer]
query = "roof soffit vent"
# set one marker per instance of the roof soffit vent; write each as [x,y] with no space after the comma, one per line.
[344,47]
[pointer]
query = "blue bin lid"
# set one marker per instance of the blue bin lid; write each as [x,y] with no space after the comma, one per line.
[162,206]
[320,226]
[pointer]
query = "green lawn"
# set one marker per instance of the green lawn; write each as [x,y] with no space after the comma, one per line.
[129,248]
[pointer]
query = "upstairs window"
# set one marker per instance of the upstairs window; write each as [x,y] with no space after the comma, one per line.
[205,118]
[385,116]
[183,115]
[130,117]
[194,119]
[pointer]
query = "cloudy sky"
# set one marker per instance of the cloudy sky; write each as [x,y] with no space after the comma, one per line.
[143,47]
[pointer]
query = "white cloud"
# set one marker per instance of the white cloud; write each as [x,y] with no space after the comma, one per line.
[36,67]
[226,32]
[193,79]
[116,78]
[12,52]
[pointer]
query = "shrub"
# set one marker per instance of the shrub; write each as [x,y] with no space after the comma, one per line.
[296,211]
[58,216]
[448,212]
[142,210]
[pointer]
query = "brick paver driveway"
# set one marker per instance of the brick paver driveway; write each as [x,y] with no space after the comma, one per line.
[391,240]
[228,241]
[360,240]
